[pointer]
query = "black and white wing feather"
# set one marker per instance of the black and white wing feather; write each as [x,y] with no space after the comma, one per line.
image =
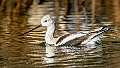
[81,38]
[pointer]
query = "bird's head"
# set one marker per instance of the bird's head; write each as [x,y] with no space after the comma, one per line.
[47,20]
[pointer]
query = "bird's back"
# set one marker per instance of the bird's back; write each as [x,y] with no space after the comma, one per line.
[81,37]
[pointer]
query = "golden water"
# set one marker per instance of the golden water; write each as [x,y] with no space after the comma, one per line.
[29,50]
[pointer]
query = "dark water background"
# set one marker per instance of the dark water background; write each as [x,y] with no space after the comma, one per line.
[30,51]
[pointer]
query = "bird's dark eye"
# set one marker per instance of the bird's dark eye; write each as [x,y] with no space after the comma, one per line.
[45,21]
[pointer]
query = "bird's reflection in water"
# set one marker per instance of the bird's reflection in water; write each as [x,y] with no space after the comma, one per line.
[50,50]
[49,60]
[50,53]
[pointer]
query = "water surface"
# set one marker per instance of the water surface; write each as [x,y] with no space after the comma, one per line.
[30,50]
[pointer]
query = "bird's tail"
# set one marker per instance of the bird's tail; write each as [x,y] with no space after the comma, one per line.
[96,34]
[101,30]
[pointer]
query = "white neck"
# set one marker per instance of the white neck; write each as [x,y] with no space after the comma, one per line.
[50,34]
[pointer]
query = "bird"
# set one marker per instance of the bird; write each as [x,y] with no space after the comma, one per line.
[48,21]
